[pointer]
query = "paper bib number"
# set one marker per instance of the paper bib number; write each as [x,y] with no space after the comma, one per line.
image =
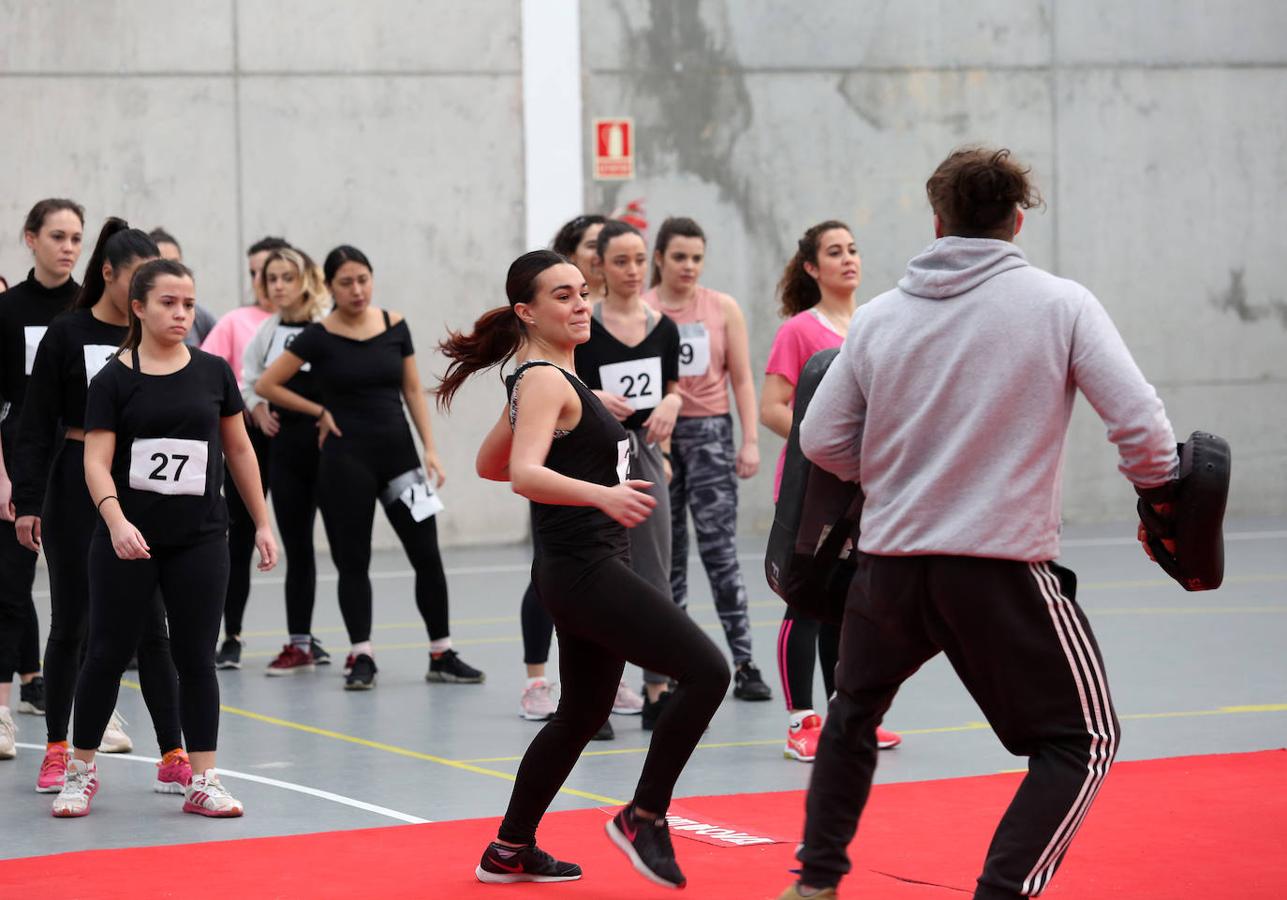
[32,335]
[638,380]
[623,460]
[168,466]
[694,350]
[96,356]
[283,337]
[421,499]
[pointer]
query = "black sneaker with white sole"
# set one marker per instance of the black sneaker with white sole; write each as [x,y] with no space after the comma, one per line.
[362,676]
[646,843]
[320,656]
[449,668]
[510,865]
[605,733]
[748,683]
[31,697]
[229,656]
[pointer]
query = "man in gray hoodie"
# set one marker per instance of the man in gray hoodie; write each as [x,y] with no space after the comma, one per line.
[949,403]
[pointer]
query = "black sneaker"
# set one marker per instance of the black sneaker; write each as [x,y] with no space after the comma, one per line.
[133,664]
[451,669]
[652,709]
[320,656]
[229,654]
[362,675]
[508,865]
[748,684]
[605,733]
[31,697]
[647,844]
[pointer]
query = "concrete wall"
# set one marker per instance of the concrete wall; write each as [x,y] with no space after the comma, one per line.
[1157,131]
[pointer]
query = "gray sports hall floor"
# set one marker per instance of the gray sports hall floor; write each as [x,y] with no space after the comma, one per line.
[1191,673]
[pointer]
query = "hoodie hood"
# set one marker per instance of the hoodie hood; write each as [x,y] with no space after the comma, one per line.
[953,265]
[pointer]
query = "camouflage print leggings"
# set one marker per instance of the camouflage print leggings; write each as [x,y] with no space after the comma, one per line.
[705,482]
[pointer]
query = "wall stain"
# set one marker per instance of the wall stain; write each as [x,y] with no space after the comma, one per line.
[1234,299]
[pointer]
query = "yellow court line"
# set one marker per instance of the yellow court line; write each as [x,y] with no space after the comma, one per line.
[392,748]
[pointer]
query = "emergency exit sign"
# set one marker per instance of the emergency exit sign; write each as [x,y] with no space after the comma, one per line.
[614,149]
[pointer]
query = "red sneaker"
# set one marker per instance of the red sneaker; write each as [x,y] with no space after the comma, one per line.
[53,770]
[887,740]
[173,773]
[802,739]
[291,660]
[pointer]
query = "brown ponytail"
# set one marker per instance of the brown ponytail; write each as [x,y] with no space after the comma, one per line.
[798,289]
[498,334]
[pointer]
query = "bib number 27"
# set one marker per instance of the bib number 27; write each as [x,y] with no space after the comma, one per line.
[168,466]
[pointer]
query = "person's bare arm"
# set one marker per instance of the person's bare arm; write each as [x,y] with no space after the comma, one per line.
[492,462]
[775,404]
[738,363]
[127,541]
[244,467]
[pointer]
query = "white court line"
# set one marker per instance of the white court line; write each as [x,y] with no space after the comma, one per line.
[271,782]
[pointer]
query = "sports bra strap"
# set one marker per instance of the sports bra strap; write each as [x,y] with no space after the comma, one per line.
[650,319]
[387,323]
[134,359]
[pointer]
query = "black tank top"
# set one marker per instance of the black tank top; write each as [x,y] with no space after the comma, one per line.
[597,451]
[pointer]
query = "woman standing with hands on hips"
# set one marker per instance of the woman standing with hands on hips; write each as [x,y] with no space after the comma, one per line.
[160,421]
[559,447]
[817,290]
[364,365]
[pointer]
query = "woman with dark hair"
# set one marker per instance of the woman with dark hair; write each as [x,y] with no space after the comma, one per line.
[297,288]
[714,354]
[364,367]
[53,232]
[61,518]
[204,322]
[160,421]
[559,447]
[817,292]
[578,240]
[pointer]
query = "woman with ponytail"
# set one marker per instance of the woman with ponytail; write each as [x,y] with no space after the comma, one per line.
[559,447]
[817,292]
[56,514]
[53,232]
[363,365]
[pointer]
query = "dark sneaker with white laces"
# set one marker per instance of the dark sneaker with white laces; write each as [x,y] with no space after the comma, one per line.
[509,865]
[31,697]
[646,843]
[362,676]
[229,654]
[320,656]
[748,684]
[449,668]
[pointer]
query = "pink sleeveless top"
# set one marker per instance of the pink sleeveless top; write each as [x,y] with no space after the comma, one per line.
[703,372]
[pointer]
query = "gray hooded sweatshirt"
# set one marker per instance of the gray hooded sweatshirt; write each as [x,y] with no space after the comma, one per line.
[951,397]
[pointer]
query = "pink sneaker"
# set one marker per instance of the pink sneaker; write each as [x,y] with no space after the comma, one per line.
[887,740]
[53,770]
[173,773]
[802,739]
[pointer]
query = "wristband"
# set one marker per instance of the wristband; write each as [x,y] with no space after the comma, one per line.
[99,506]
[667,457]
[322,413]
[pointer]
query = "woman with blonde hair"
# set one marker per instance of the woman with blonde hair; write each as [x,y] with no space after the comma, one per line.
[294,284]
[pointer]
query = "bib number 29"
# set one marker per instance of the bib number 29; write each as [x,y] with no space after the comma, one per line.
[168,466]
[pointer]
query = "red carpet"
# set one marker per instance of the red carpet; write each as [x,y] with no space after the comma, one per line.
[1211,827]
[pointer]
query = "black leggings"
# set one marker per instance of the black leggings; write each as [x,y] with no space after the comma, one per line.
[19,628]
[607,614]
[66,527]
[292,474]
[799,640]
[241,535]
[192,580]
[538,628]
[352,476]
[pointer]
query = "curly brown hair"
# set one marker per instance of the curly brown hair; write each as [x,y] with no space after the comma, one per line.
[976,191]
[797,288]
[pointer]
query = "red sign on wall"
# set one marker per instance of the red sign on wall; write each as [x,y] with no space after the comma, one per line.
[614,149]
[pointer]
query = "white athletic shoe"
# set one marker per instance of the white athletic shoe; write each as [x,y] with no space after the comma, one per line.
[206,796]
[628,703]
[78,790]
[8,734]
[115,740]
[538,703]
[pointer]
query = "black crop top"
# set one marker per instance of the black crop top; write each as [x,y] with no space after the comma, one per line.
[168,464]
[75,347]
[597,451]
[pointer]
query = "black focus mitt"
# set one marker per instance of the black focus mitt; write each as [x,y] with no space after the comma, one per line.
[1195,522]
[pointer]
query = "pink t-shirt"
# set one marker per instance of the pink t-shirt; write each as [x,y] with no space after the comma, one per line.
[232,333]
[800,336]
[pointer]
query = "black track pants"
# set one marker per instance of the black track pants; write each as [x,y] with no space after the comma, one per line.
[801,639]
[241,535]
[292,476]
[351,481]
[193,581]
[1024,650]
[18,625]
[607,614]
[67,524]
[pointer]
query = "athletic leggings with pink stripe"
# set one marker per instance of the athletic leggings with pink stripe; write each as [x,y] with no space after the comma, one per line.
[801,639]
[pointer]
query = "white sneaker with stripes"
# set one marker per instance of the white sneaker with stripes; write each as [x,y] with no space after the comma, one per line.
[206,796]
[79,787]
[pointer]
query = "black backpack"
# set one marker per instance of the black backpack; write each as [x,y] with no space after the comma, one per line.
[812,552]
